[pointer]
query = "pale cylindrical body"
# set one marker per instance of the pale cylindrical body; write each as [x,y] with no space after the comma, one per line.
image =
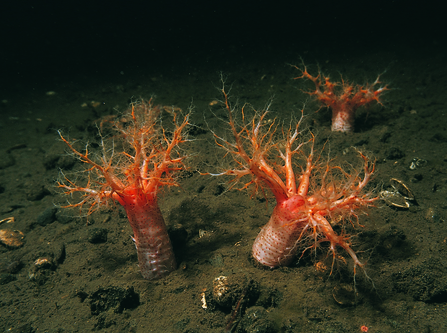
[276,244]
[155,255]
[343,119]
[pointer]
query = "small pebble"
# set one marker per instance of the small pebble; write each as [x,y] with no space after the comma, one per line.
[97,235]
[432,215]
[47,216]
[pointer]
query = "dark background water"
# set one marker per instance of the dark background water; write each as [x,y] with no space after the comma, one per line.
[45,41]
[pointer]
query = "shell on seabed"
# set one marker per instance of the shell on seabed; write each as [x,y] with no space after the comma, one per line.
[400,197]
[11,238]
[220,288]
[346,295]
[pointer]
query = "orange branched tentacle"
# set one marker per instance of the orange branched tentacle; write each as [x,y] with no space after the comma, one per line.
[146,164]
[254,162]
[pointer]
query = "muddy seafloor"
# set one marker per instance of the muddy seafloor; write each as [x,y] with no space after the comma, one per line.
[91,280]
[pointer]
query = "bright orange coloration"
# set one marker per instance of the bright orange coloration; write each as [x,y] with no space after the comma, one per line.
[343,98]
[148,158]
[311,198]
[364,328]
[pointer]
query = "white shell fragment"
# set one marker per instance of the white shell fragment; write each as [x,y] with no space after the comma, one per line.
[203,299]
[401,196]
[220,287]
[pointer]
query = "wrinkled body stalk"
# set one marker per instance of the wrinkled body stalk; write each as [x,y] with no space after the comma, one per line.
[155,255]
